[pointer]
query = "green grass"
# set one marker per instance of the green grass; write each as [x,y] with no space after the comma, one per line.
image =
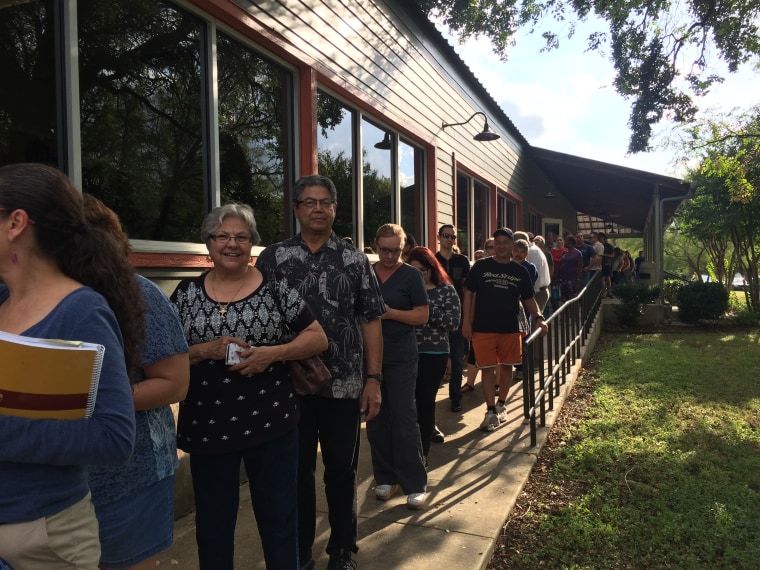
[667,457]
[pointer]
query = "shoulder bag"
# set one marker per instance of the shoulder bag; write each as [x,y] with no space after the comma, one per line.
[309,375]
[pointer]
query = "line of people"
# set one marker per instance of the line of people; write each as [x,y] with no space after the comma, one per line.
[387,332]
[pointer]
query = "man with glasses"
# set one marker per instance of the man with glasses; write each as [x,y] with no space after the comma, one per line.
[457,266]
[340,287]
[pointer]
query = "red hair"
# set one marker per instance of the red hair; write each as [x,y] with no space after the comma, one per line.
[426,258]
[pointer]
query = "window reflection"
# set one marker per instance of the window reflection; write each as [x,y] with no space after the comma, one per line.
[378,196]
[463,213]
[336,158]
[253,109]
[142,139]
[481,212]
[410,168]
[29,121]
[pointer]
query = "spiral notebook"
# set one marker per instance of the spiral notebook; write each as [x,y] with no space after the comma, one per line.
[42,378]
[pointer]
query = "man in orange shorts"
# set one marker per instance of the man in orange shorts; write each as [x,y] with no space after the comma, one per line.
[493,291]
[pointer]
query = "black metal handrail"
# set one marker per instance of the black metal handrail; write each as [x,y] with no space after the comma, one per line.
[548,360]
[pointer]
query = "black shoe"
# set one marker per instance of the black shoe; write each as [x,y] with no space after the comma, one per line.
[341,561]
[438,436]
[456,406]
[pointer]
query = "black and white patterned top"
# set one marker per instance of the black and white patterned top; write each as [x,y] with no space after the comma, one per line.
[445,316]
[227,411]
[341,289]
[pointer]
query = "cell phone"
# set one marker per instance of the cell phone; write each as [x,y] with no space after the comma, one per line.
[233,354]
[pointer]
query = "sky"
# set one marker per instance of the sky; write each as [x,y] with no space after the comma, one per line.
[564,100]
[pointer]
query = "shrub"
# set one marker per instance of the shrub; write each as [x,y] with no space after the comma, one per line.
[670,289]
[698,301]
[746,318]
[632,301]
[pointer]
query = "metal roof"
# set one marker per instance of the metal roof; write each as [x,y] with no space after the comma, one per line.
[607,197]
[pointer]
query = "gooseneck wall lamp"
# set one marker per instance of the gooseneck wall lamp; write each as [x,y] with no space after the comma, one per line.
[485,135]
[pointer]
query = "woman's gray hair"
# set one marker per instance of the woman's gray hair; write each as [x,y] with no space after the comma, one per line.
[216,216]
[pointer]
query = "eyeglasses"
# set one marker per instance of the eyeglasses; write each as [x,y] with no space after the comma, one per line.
[225,238]
[384,251]
[423,270]
[449,236]
[311,203]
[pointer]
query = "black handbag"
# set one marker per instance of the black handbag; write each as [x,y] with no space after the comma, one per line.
[309,375]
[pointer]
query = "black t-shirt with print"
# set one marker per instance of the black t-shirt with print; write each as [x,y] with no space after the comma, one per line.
[499,289]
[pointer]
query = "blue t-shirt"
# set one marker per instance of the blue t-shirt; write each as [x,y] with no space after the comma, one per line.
[43,462]
[155,455]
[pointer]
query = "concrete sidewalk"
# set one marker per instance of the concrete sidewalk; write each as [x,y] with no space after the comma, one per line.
[474,481]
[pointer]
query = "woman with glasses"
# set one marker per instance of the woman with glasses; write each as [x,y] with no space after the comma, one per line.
[394,436]
[240,406]
[433,338]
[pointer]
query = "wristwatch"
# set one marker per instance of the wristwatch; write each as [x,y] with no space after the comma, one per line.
[378,377]
[539,318]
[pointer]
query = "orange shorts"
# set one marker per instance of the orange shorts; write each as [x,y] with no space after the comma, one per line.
[497,348]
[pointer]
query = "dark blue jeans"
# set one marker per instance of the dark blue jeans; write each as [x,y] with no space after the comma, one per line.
[271,469]
[457,345]
[334,424]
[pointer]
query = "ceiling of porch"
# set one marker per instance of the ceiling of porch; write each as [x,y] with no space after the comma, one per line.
[607,197]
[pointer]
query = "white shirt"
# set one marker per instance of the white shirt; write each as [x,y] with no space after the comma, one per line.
[537,258]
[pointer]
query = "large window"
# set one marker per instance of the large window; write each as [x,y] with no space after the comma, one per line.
[391,186]
[335,126]
[378,197]
[254,109]
[140,106]
[472,214]
[30,122]
[157,142]
[506,212]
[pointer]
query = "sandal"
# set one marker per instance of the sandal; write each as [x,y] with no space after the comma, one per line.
[468,388]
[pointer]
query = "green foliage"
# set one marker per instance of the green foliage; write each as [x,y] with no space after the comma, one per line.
[648,41]
[633,298]
[698,301]
[662,469]
[724,212]
[746,318]
[670,289]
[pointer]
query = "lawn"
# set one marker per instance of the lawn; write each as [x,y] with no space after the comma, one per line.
[654,464]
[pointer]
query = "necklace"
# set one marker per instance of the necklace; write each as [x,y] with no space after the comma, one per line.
[223,306]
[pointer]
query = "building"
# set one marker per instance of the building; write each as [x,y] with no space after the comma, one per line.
[166,108]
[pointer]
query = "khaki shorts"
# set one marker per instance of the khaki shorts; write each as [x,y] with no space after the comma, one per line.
[68,539]
[497,348]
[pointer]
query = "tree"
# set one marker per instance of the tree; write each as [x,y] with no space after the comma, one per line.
[663,52]
[725,207]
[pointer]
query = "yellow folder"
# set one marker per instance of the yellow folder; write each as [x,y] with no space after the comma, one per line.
[42,378]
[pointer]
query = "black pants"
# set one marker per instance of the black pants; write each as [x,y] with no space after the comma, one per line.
[334,424]
[430,370]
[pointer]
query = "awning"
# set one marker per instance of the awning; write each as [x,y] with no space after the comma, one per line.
[607,197]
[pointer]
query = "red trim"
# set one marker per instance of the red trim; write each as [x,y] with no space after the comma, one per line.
[26,401]
[307,123]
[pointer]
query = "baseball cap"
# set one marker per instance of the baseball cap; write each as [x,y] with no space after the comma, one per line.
[504,232]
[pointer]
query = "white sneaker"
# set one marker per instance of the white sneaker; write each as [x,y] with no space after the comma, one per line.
[490,422]
[385,492]
[501,413]
[416,500]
